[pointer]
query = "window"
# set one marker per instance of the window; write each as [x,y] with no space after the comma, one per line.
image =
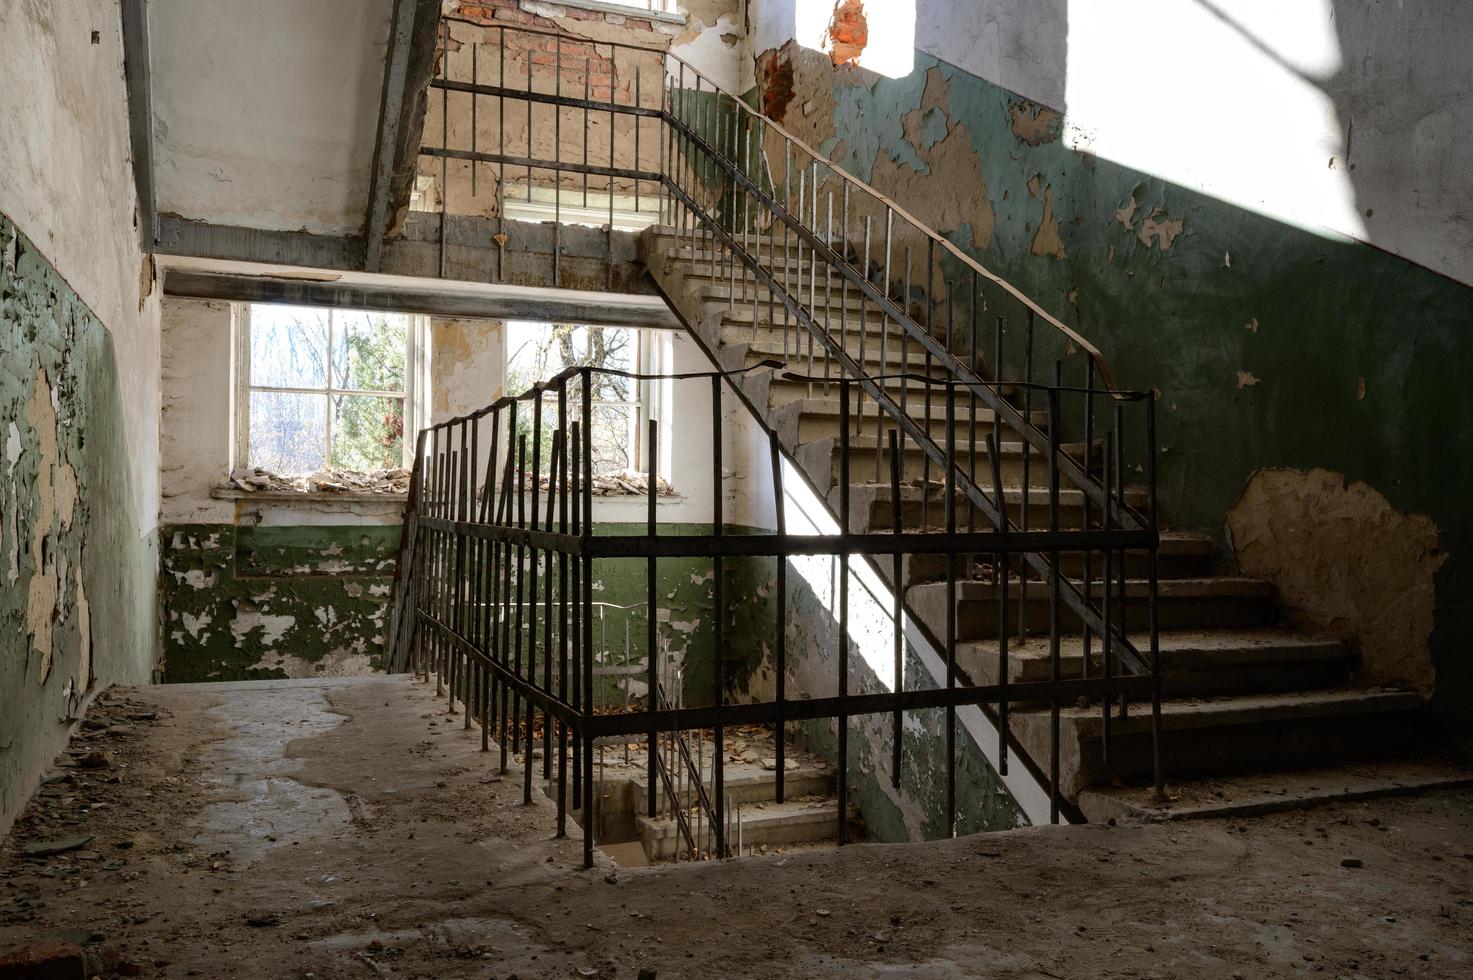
[323,388]
[659,6]
[622,407]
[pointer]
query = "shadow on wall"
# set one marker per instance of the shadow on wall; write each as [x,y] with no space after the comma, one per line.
[1409,99]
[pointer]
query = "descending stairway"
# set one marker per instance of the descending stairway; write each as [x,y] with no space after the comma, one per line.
[1242,693]
[756,822]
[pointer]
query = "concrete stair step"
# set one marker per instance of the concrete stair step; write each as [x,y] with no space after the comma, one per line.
[818,418]
[1212,736]
[1182,554]
[772,824]
[678,244]
[893,362]
[760,787]
[1254,794]
[870,506]
[717,292]
[1194,663]
[864,449]
[1221,602]
[776,259]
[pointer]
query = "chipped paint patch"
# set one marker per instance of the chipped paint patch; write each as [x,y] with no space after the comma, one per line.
[1344,561]
[1035,124]
[275,601]
[1047,241]
[1126,214]
[43,594]
[1161,229]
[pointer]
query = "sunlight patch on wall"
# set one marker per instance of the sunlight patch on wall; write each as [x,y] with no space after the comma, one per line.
[889,32]
[1225,97]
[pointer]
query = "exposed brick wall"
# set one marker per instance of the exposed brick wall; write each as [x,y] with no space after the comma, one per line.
[579,59]
[848,32]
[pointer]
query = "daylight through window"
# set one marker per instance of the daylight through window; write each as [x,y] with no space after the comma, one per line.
[621,405]
[325,388]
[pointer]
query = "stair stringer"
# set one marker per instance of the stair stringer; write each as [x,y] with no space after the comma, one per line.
[811,497]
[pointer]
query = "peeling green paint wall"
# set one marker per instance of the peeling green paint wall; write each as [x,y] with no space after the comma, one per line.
[686,600]
[77,579]
[244,603]
[1271,345]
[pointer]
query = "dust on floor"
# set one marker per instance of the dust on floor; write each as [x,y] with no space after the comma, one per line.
[350,828]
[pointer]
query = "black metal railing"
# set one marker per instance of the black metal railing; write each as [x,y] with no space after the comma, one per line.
[855,297]
[501,584]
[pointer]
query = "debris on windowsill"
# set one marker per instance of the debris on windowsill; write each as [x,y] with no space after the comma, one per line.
[328,480]
[615,485]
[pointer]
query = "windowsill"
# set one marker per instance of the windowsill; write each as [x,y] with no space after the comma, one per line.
[623,10]
[306,496]
[319,496]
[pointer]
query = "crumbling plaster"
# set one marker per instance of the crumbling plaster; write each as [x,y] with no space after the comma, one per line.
[78,385]
[1344,562]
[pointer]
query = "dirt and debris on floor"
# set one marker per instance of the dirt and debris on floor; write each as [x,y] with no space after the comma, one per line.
[349,827]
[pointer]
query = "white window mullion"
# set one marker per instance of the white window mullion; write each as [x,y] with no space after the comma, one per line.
[327,453]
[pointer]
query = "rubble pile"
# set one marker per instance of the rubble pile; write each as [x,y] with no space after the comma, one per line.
[612,484]
[327,480]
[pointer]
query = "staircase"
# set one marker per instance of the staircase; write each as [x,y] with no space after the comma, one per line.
[756,822]
[1242,693]
[771,255]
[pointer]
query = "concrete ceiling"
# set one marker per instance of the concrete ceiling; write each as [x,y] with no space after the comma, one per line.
[266,113]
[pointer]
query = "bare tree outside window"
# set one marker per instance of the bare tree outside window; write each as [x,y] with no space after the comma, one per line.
[538,351]
[326,389]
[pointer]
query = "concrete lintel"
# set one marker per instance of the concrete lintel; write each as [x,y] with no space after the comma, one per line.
[180,236]
[474,300]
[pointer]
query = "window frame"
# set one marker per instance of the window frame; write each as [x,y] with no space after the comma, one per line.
[650,357]
[415,339]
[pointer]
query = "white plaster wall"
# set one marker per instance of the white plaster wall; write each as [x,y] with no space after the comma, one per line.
[194,433]
[1336,114]
[1342,115]
[266,112]
[66,180]
[712,45]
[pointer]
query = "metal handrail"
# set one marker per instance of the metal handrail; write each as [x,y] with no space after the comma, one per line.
[717,184]
[1101,365]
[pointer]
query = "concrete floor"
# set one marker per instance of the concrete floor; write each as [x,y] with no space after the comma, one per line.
[348,828]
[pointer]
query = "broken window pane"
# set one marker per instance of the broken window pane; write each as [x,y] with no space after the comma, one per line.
[367,432]
[368,351]
[288,431]
[288,347]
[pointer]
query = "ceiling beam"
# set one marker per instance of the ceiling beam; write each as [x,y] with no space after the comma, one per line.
[492,302]
[139,76]
[407,70]
[181,236]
